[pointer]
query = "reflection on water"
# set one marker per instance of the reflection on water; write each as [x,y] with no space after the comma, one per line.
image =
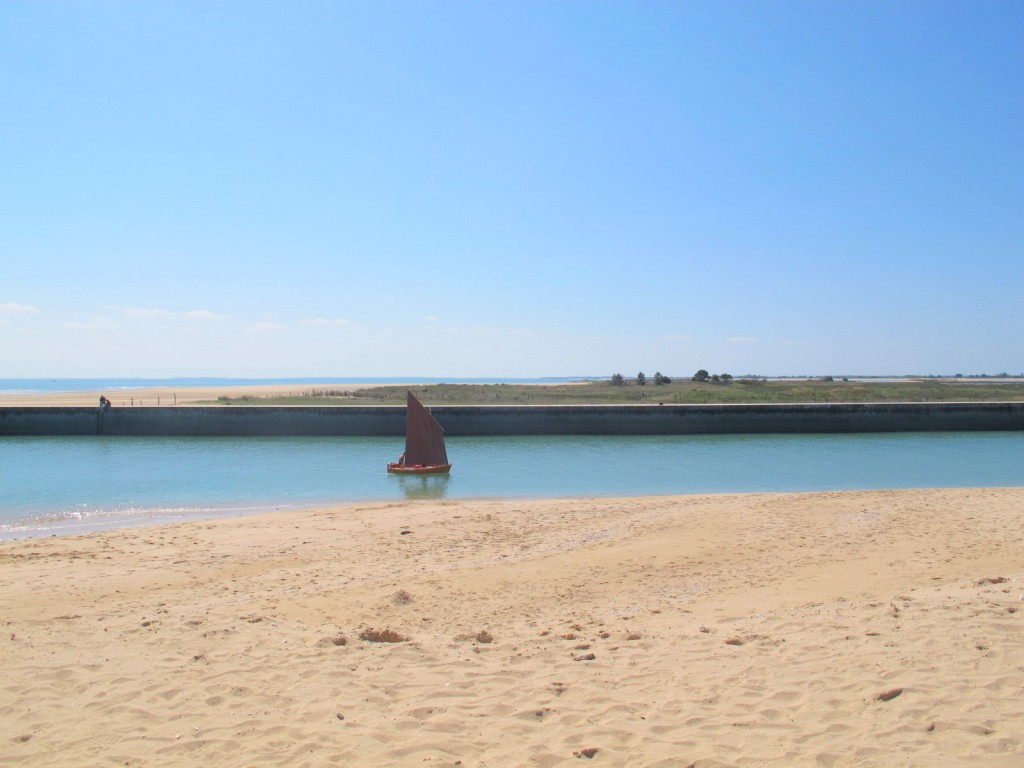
[423,486]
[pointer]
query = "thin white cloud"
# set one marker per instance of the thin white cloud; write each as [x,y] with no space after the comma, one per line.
[18,309]
[140,312]
[153,312]
[324,321]
[485,331]
[265,327]
[94,323]
[740,340]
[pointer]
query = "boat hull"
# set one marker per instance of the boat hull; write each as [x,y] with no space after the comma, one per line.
[437,469]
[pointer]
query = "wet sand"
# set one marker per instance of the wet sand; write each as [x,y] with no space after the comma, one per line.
[860,628]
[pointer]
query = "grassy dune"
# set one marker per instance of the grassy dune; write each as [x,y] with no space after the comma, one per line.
[602,392]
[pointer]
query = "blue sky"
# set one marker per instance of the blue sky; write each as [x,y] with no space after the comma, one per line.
[511,188]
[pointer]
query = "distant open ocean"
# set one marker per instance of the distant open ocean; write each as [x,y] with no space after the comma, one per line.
[13,386]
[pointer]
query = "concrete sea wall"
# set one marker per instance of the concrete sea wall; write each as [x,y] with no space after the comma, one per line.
[255,421]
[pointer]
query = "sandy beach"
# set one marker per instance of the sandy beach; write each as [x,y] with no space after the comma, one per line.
[169,395]
[164,396]
[881,628]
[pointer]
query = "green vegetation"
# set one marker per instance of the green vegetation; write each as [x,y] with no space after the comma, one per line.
[716,389]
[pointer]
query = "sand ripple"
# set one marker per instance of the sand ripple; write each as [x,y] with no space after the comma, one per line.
[836,629]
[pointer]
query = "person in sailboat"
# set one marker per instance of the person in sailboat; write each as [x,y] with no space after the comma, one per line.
[424,442]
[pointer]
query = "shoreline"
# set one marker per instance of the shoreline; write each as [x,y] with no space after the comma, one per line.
[168,395]
[851,628]
[84,523]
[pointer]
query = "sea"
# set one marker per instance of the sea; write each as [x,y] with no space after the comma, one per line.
[62,485]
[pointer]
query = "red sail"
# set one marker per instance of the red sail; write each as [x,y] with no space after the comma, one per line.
[424,437]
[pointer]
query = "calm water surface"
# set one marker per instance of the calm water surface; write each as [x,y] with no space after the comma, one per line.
[63,485]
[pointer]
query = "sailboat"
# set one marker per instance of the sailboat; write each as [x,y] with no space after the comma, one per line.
[424,443]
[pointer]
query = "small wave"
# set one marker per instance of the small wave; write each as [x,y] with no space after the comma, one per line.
[85,518]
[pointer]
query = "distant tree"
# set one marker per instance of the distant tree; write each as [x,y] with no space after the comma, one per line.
[660,378]
[726,378]
[617,380]
[701,375]
[715,378]
[827,378]
[641,380]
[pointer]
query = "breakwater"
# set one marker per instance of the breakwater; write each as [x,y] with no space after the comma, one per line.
[485,420]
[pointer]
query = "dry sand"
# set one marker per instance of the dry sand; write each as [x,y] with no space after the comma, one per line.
[165,395]
[879,628]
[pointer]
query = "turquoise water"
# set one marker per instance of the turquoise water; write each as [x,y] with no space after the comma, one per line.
[60,485]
